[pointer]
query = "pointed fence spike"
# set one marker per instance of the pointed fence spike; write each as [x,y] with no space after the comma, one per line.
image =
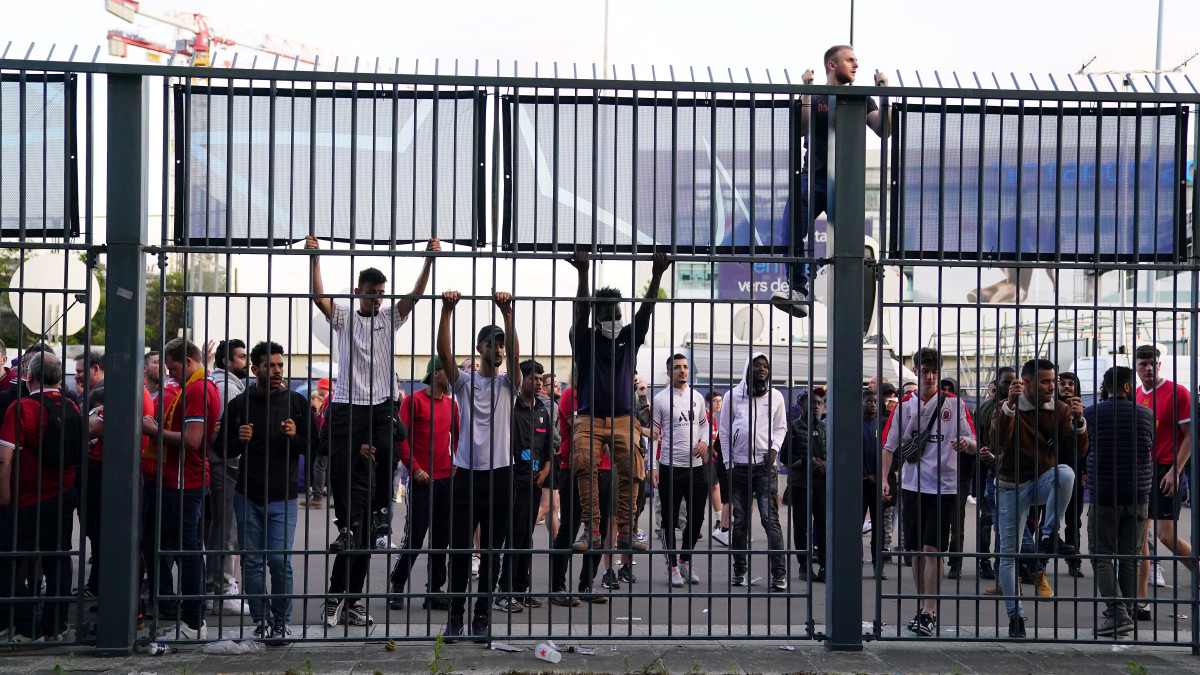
[72,56]
[29,51]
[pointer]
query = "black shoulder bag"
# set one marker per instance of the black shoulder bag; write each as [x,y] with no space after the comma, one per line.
[914,447]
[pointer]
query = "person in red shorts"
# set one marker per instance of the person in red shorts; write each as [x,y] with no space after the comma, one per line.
[189,422]
[37,501]
[1171,404]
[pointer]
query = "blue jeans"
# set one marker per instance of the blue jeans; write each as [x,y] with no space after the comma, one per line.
[271,529]
[809,211]
[1029,561]
[180,541]
[1052,488]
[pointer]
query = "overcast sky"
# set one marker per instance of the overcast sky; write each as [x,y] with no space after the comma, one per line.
[1020,36]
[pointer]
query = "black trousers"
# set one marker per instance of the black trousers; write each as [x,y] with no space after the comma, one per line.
[44,530]
[429,505]
[355,481]
[869,495]
[569,520]
[91,522]
[802,519]
[677,483]
[516,570]
[481,499]
[1074,515]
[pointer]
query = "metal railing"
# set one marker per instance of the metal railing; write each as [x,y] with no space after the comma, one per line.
[511,174]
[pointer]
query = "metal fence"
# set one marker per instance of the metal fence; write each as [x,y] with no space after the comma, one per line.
[999,226]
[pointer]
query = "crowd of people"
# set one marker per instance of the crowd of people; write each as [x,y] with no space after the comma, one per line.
[492,444]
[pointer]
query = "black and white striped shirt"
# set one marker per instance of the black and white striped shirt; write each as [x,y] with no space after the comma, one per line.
[366,369]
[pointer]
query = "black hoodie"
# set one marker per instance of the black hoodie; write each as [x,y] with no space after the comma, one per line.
[270,468]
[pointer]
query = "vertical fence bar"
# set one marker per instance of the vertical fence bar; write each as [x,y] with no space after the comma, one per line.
[128,161]
[847,213]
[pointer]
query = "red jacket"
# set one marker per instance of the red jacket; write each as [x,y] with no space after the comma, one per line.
[429,445]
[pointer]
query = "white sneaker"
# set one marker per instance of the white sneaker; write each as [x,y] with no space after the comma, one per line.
[356,615]
[335,610]
[866,526]
[791,302]
[720,536]
[1157,577]
[688,574]
[181,631]
[676,577]
[971,499]
[384,542]
[233,607]
[474,565]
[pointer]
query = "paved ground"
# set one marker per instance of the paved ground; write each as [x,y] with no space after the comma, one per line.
[712,656]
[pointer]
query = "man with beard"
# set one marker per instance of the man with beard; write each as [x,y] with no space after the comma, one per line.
[841,67]
[752,428]
[220,533]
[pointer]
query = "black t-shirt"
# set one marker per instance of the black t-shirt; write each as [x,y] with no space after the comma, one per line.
[820,135]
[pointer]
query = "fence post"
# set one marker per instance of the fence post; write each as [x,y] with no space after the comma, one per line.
[125,295]
[847,212]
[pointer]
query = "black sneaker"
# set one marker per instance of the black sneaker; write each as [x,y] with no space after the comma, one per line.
[381,526]
[588,594]
[279,636]
[818,576]
[927,625]
[610,580]
[436,602]
[986,571]
[344,541]
[738,579]
[625,573]
[1075,568]
[1143,613]
[453,631]
[481,628]
[1016,626]
[954,573]
[262,632]
[914,625]
[396,603]
[1047,546]
[530,602]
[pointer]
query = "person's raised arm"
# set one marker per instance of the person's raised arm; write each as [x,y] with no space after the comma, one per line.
[404,306]
[318,285]
[444,348]
[641,320]
[504,302]
[805,105]
[582,308]
[875,119]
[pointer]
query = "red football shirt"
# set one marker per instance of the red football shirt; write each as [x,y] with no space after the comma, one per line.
[96,445]
[434,443]
[201,403]
[1172,405]
[23,428]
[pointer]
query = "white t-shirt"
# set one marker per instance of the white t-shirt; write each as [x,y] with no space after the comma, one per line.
[366,369]
[485,406]
[681,420]
[937,472]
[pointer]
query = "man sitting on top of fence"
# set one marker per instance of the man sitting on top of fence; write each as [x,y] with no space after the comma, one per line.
[841,66]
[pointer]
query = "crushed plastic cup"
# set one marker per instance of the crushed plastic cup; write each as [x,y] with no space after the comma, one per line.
[547,653]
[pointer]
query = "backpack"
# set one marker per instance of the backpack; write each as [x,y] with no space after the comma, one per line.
[62,439]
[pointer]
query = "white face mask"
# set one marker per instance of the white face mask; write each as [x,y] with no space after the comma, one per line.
[609,329]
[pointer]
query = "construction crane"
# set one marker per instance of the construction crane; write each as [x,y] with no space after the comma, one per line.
[203,40]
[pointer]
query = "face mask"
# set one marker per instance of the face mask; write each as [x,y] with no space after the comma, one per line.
[609,329]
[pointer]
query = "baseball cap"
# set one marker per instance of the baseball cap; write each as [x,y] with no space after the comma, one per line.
[323,383]
[490,334]
[434,364]
[887,389]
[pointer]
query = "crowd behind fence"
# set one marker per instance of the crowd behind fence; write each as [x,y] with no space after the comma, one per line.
[614,360]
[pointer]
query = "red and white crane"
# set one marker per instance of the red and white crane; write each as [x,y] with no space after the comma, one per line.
[203,40]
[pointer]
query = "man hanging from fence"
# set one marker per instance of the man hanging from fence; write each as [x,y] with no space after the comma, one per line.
[1121,467]
[362,429]
[841,67]
[41,443]
[929,429]
[188,426]
[432,417]
[604,355]
[753,426]
[1028,430]
[483,479]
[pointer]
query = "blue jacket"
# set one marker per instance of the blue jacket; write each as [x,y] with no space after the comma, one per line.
[1120,465]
